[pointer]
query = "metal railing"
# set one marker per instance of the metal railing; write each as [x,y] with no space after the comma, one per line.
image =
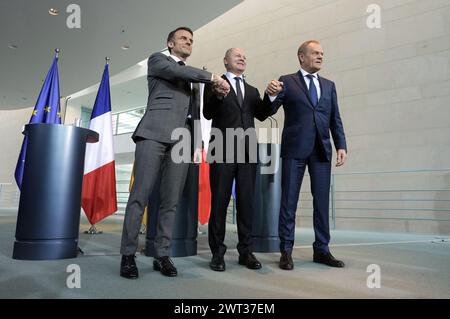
[407,195]
[122,195]
[122,122]
[414,195]
[127,121]
[9,196]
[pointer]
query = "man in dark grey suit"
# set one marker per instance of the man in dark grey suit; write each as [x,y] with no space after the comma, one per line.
[171,105]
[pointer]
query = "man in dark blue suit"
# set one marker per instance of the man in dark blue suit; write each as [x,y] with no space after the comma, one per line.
[311,113]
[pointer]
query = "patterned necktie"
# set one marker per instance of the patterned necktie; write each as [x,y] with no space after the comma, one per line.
[239,95]
[312,90]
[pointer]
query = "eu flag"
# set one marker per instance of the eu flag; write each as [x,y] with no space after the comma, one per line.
[47,110]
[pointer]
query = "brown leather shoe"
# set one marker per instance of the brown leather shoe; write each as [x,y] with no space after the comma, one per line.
[286,261]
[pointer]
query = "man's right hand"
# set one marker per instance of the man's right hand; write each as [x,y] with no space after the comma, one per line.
[274,88]
[220,86]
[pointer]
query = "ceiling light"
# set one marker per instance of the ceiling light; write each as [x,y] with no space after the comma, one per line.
[12,46]
[125,47]
[53,12]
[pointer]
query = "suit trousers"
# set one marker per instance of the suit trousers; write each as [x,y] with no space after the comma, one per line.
[151,158]
[293,170]
[221,181]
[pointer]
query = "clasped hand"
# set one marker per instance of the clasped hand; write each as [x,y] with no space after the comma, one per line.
[220,86]
[274,88]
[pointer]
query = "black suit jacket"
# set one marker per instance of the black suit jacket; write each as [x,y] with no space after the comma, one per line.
[226,113]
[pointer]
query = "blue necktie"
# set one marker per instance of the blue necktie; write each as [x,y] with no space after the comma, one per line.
[189,114]
[312,90]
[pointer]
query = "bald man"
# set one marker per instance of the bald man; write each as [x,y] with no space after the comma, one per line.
[236,110]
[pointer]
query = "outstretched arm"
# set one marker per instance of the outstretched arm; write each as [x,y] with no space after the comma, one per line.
[160,66]
[274,96]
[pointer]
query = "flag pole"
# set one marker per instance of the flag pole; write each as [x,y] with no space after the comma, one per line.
[93,231]
[63,117]
[64,105]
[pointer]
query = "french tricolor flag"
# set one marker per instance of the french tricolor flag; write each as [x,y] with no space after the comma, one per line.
[98,197]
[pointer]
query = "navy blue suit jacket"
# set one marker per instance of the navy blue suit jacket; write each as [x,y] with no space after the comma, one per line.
[303,121]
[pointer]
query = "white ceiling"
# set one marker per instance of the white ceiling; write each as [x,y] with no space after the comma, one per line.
[106,25]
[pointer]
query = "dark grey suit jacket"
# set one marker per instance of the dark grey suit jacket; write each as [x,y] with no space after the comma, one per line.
[169,96]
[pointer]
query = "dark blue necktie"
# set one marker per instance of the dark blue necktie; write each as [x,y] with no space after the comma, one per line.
[239,95]
[312,90]
[190,109]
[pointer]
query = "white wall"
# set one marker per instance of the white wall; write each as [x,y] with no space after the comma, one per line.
[393,83]
[393,86]
[11,124]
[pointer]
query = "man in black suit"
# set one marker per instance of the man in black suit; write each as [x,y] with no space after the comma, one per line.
[172,103]
[311,113]
[235,159]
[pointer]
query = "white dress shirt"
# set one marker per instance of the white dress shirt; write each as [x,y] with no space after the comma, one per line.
[177,59]
[308,83]
[231,78]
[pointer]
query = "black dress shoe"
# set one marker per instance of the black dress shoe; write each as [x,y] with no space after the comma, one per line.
[286,261]
[327,259]
[165,266]
[217,263]
[128,268]
[249,260]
